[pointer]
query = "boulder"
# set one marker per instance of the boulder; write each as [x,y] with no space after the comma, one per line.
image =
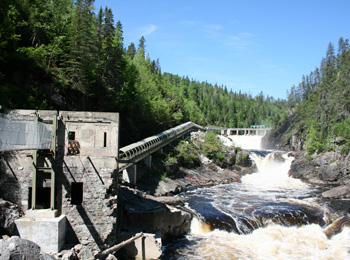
[337,192]
[143,212]
[278,157]
[243,158]
[86,254]
[16,248]
[168,187]
[9,213]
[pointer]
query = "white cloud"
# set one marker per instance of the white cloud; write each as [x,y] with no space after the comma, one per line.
[213,27]
[148,29]
[240,40]
[190,23]
[212,30]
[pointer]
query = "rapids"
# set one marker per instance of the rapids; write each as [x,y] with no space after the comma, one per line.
[269,215]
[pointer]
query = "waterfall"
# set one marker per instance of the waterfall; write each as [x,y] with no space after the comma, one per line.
[273,172]
[248,142]
[269,215]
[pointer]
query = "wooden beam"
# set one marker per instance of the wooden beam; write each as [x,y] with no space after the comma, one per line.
[115,248]
[35,161]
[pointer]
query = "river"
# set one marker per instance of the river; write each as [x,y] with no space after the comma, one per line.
[267,216]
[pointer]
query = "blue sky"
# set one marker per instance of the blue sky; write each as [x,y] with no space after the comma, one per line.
[247,45]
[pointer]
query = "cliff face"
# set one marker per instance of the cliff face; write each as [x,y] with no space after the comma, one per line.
[330,168]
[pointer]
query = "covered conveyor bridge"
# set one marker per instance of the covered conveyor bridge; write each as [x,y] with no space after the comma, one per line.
[138,151]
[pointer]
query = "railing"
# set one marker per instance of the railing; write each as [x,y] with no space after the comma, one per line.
[137,151]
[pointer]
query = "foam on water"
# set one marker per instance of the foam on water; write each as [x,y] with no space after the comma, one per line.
[272,242]
[273,174]
[248,142]
[261,191]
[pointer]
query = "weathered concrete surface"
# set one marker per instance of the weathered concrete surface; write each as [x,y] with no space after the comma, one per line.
[149,246]
[49,233]
[93,222]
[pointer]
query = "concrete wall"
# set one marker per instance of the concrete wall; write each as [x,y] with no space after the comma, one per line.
[93,222]
[91,128]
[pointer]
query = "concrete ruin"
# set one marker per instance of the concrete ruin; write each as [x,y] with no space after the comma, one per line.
[68,193]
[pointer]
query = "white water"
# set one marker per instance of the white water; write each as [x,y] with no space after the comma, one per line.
[248,142]
[273,241]
[273,174]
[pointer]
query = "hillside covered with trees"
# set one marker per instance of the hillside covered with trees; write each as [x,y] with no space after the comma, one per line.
[65,54]
[320,104]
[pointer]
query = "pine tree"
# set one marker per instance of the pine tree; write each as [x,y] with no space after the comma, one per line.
[131,52]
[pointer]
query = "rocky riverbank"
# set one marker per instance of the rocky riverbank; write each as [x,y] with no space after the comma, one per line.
[207,174]
[330,169]
[151,206]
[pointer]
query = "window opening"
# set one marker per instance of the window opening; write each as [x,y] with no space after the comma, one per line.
[105,139]
[77,193]
[73,145]
[71,136]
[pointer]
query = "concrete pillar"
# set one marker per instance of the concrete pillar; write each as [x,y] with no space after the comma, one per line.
[48,233]
[130,174]
[148,161]
[160,151]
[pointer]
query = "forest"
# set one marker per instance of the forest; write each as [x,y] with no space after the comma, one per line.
[321,103]
[68,55]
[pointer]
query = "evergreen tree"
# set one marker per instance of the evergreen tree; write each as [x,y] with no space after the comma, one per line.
[131,52]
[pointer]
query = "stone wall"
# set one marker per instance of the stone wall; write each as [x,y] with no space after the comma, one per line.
[93,222]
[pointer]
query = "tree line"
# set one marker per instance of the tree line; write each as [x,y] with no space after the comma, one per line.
[65,54]
[321,103]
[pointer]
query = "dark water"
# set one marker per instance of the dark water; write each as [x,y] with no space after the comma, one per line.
[267,216]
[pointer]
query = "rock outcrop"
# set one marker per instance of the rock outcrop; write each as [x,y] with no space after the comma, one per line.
[337,192]
[18,248]
[149,214]
[208,174]
[330,168]
[9,212]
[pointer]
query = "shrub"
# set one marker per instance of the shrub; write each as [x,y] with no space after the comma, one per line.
[212,147]
[186,154]
[315,142]
[342,130]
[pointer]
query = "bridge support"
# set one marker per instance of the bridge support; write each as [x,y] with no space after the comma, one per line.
[130,174]
[148,161]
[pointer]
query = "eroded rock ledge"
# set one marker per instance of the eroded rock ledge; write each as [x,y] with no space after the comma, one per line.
[330,169]
[151,207]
